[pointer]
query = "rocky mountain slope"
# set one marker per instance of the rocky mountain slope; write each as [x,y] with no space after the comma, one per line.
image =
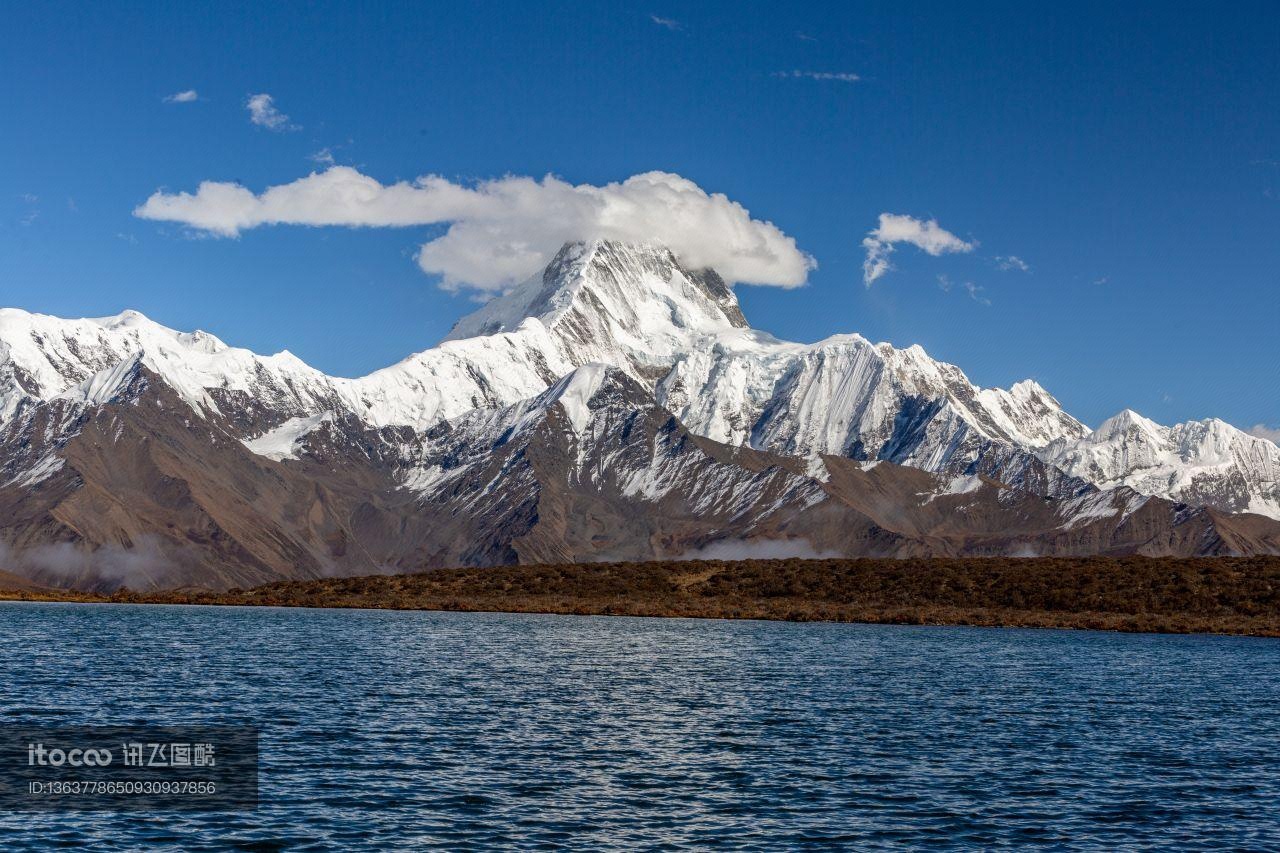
[616,407]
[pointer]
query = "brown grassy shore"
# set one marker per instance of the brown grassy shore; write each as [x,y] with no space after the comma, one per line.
[1209,595]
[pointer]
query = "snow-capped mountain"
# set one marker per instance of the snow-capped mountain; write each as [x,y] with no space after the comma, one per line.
[682,332]
[618,382]
[42,358]
[1207,463]
[634,307]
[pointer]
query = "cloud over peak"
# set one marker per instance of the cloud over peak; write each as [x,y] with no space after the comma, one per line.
[926,235]
[502,231]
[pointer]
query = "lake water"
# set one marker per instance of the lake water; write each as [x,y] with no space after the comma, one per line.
[394,730]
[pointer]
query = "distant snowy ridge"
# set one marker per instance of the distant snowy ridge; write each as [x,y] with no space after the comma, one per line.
[1206,462]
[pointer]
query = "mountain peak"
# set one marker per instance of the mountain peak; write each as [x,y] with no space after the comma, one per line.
[612,257]
[637,289]
[626,304]
[1124,422]
[1028,389]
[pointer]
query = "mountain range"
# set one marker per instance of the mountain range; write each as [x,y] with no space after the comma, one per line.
[615,407]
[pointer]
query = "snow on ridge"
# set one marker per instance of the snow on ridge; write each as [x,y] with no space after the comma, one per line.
[45,468]
[575,391]
[961,485]
[1086,509]
[282,442]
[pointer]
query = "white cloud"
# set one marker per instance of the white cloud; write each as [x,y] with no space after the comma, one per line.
[502,231]
[324,157]
[669,23]
[1271,434]
[894,228]
[264,113]
[842,76]
[184,97]
[1012,262]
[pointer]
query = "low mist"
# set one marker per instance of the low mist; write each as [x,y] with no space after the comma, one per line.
[143,566]
[758,549]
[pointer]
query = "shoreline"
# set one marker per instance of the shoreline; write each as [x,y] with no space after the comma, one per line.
[1218,595]
[921,617]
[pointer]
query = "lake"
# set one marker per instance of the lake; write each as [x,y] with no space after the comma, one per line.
[413,729]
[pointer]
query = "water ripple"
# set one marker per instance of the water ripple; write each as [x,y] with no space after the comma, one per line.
[389,730]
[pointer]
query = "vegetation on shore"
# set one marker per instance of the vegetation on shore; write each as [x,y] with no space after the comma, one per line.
[1167,595]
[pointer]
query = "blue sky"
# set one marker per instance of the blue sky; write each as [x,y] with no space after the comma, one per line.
[1130,156]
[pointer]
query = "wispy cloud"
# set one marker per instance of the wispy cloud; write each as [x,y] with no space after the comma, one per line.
[803,36]
[184,97]
[667,23]
[926,235]
[974,291]
[264,113]
[1012,262]
[324,157]
[1102,279]
[1271,434]
[33,212]
[839,76]
[502,231]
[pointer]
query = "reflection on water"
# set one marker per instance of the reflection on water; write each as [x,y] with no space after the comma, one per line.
[389,729]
